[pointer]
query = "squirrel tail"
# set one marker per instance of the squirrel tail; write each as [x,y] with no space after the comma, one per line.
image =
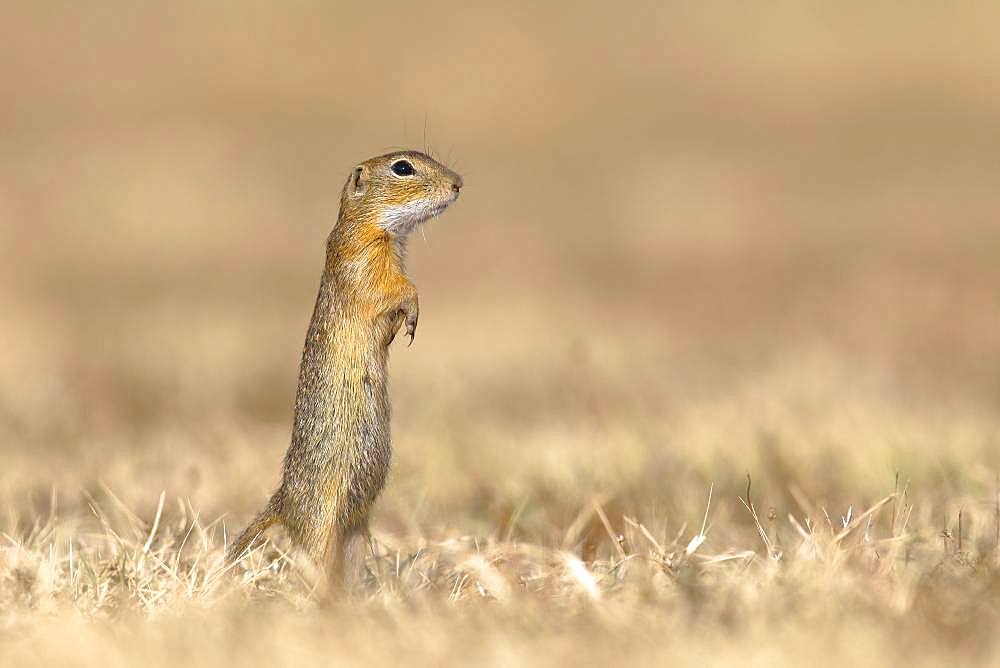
[267,517]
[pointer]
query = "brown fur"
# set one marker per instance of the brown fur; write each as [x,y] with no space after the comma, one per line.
[339,456]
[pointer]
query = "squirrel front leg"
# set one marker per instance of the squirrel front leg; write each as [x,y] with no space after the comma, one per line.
[409,307]
[406,312]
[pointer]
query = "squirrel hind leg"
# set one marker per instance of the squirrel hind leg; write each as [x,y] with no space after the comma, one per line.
[345,555]
[260,524]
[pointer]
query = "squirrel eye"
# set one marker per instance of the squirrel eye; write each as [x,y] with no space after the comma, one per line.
[402,168]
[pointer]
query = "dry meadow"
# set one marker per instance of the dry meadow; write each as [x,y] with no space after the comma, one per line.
[708,368]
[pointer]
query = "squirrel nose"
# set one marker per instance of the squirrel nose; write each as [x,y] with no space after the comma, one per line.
[457,185]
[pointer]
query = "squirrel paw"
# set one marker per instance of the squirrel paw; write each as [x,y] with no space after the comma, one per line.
[409,309]
[411,325]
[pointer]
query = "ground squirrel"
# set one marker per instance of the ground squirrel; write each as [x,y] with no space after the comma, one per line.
[339,456]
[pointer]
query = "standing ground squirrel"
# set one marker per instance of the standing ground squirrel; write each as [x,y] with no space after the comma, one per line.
[339,456]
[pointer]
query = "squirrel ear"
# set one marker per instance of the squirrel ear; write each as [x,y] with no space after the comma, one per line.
[356,184]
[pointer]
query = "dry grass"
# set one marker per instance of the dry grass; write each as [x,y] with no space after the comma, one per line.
[869,582]
[872,581]
[557,558]
[696,242]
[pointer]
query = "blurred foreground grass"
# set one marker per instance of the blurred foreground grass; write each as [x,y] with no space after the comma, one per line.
[579,539]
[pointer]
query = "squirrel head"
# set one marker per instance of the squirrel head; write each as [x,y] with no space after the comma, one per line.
[398,191]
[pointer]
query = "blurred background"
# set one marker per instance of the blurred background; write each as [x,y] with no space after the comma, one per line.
[696,240]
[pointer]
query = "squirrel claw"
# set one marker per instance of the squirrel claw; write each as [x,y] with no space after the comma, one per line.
[410,312]
[411,331]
